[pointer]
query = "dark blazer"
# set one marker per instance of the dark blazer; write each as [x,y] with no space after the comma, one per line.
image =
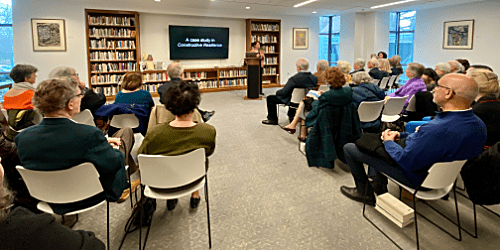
[92,101]
[60,143]
[376,73]
[299,80]
[23,229]
[488,109]
[165,86]
[357,71]
[395,72]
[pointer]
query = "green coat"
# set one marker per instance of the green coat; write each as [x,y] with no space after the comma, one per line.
[334,111]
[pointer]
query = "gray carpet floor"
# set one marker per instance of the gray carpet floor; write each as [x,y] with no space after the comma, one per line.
[263,195]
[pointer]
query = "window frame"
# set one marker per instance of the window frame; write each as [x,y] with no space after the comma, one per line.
[330,35]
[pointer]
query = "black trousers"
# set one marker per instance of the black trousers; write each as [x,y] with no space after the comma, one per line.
[272,111]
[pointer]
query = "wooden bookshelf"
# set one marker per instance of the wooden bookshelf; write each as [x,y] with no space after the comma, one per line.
[218,79]
[268,33]
[113,48]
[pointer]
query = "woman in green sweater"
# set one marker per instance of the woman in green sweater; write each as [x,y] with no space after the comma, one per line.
[181,135]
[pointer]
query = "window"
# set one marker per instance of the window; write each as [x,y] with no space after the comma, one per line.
[401,36]
[329,30]
[6,46]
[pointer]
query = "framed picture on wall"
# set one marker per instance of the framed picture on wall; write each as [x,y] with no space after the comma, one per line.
[48,34]
[458,34]
[300,38]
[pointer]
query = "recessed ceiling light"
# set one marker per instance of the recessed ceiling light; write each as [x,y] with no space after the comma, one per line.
[304,3]
[314,12]
[394,3]
[157,0]
[247,8]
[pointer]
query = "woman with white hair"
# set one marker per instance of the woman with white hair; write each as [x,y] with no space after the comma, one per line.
[487,105]
[384,65]
[363,90]
[345,67]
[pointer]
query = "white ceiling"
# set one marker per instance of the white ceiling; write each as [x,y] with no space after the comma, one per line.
[265,8]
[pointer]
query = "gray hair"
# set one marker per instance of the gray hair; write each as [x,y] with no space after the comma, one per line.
[361,77]
[303,64]
[21,71]
[54,94]
[360,62]
[61,72]
[445,67]
[322,64]
[174,70]
[344,66]
[374,61]
[456,64]
[417,69]
[486,80]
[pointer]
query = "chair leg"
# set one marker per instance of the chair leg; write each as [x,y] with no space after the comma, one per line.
[107,222]
[130,187]
[141,212]
[475,221]
[147,233]
[208,213]
[415,211]
[458,216]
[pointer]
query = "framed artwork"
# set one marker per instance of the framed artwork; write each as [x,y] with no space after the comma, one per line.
[458,34]
[300,38]
[48,34]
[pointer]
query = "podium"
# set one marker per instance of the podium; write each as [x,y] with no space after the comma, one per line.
[253,75]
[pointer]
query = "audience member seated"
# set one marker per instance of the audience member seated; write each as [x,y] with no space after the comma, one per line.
[430,78]
[397,60]
[17,101]
[174,71]
[479,66]
[456,67]
[333,121]
[487,105]
[359,65]
[380,55]
[394,65]
[303,79]
[345,67]
[321,66]
[385,66]
[132,92]
[22,229]
[90,100]
[442,69]
[375,72]
[414,72]
[59,143]
[364,91]
[464,63]
[181,135]
[455,134]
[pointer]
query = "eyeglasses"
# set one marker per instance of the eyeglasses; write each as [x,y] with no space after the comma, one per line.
[75,74]
[438,85]
[80,95]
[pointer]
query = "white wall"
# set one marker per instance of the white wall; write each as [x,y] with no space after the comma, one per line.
[429,34]
[347,36]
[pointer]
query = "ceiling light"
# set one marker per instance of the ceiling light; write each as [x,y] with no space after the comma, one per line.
[394,3]
[304,3]
[157,0]
[248,8]
[314,12]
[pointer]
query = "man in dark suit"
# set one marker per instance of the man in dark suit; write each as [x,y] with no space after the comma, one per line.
[174,71]
[358,65]
[374,72]
[303,79]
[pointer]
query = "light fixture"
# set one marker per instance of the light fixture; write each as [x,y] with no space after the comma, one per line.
[157,0]
[304,3]
[247,7]
[394,3]
[314,12]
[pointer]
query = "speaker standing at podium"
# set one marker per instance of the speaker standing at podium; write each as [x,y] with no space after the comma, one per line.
[260,54]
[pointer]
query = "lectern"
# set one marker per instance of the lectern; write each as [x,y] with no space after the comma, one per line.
[253,82]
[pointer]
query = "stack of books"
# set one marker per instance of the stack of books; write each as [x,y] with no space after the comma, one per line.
[394,209]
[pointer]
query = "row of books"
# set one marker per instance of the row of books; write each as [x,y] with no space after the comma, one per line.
[107,20]
[207,84]
[234,72]
[268,48]
[195,75]
[269,71]
[233,82]
[112,55]
[111,90]
[105,79]
[154,77]
[110,67]
[151,87]
[105,44]
[265,27]
[265,39]
[111,32]
[271,60]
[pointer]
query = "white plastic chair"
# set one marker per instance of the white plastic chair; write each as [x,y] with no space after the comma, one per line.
[171,177]
[324,88]
[64,186]
[84,117]
[383,82]
[393,108]
[124,121]
[4,112]
[412,104]
[370,111]
[391,82]
[439,182]
[298,95]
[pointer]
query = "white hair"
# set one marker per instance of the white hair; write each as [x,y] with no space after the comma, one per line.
[322,64]
[445,67]
[360,62]
[374,61]
[303,64]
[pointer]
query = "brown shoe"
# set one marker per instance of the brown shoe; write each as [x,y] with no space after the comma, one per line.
[124,196]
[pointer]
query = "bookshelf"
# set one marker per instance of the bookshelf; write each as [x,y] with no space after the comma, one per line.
[217,79]
[268,33]
[113,48]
